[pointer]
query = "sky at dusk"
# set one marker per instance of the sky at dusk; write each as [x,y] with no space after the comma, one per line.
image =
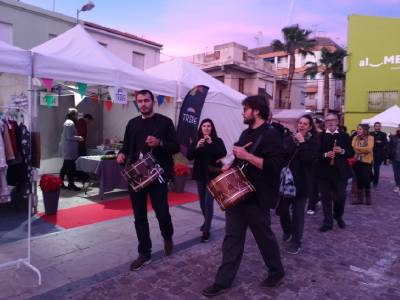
[187,27]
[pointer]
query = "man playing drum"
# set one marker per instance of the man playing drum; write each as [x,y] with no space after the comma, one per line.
[260,148]
[155,133]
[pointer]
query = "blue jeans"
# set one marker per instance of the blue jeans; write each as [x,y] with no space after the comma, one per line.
[396,172]
[206,205]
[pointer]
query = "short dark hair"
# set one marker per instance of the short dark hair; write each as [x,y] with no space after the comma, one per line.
[377,123]
[259,103]
[88,116]
[144,92]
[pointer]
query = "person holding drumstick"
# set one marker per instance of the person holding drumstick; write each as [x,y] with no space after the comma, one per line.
[206,151]
[156,133]
[260,149]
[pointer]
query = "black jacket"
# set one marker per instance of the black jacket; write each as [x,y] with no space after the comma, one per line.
[394,140]
[303,157]
[136,133]
[341,166]
[270,148]
[380,144]
[205,158]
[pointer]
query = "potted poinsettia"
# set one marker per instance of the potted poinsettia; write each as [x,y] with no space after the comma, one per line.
[181,172]
[50,186]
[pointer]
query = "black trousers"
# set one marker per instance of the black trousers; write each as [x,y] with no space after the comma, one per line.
[363,174]
[293,223]
[238,218]
[378,160]
[333,194]
[68,168]
[314,197]
[159,201]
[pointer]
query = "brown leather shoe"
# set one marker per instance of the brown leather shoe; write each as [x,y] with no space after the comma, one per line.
[140,262]
[168,247]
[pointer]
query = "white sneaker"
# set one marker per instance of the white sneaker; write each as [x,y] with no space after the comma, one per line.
[310,212]
[396,189]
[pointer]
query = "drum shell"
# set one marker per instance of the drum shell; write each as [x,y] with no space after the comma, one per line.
[230,188]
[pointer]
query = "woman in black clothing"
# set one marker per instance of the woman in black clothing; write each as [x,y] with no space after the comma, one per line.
[206,151]
[301,150]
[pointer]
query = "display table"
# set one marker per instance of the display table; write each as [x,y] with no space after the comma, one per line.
[108,172]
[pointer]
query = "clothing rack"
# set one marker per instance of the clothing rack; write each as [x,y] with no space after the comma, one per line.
[32,194]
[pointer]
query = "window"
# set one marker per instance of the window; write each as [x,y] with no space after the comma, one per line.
[244,56]
[381,100]
[6,32]
[269,59]
[220,78]
[241,85]
[138,60]
[217,54]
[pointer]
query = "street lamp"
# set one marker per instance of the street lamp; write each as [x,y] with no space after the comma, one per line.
[88,6]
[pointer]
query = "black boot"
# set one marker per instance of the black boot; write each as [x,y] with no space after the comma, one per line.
[368,196]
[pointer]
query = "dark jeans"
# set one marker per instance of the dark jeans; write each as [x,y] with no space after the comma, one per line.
[293,224]
[313,189]
[159,201]
[378,160]
[68,168]
[206,205]
[396,172]
[333,193]
[238,218]
[363,174]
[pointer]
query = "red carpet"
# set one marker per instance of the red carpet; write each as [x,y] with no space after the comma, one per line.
[107,210]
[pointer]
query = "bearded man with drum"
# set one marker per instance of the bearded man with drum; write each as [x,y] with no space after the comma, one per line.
[260,149]
[155,133]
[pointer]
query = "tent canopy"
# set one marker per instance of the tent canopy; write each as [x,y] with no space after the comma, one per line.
[389,118]
[222,104]
[76,56]
[14,60]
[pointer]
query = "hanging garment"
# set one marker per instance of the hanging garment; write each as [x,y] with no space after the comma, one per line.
[7,144]
[4,191]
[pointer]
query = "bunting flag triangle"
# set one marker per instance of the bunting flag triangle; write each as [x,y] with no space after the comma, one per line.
[82,87]
[160,100]
[108,105]
[49,100]
[95,98]
[48,83]
[168,99]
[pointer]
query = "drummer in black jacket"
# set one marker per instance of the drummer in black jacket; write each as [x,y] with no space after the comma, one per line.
[206,150]
[156,133]
[260,147]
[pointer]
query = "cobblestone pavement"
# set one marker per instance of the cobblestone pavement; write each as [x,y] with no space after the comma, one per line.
[359,262]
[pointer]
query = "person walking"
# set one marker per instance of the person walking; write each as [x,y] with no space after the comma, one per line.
[206,151]
[363,145]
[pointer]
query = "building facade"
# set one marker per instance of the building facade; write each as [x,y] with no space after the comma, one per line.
[373,72]
[237,67]
[307,92]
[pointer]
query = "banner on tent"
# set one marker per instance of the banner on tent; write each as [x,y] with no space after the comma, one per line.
[48,99]
[189,116]
[118,95]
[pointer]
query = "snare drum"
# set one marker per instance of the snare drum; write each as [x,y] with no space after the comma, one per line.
[230,188]
[143,172]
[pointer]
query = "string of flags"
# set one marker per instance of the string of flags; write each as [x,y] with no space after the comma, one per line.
[80,91]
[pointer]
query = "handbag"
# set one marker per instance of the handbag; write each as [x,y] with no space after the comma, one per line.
[287,188]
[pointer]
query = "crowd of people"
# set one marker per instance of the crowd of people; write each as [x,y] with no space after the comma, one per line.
[319,156]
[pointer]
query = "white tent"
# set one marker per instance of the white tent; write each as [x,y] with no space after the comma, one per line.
[76,56]
[222,105]
[288,117]
[14,60]
[389,118]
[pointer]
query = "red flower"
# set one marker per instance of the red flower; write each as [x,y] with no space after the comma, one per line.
[50,183]
[181,170]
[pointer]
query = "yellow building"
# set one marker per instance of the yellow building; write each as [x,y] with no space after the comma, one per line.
[373,67]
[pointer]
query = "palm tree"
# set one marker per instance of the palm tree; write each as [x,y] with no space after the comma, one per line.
[330,64]
[295,39]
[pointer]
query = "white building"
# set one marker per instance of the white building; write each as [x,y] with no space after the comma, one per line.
[306,92]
